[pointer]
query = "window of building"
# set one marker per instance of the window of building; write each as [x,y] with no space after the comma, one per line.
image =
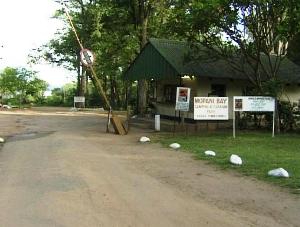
[218,90]
[152,91]
[170,93]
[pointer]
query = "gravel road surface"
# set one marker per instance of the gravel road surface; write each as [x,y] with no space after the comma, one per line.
[60,168]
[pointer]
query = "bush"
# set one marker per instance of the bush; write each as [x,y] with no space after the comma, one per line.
[288,115]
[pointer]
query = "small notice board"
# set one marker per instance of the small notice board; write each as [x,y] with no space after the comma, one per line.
[183,98]
[210,108]
[253,104]
[78,99]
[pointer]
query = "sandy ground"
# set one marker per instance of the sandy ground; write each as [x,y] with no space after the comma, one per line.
[60,168]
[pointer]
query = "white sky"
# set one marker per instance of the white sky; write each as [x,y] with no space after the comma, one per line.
[24,25]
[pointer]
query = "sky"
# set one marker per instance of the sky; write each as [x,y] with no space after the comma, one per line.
[27,24]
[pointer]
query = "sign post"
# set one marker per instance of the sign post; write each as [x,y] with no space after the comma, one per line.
[233,119]
[274,113]
[182,102]
[253,104]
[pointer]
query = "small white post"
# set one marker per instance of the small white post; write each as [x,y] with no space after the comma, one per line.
[233,119]
[157,122]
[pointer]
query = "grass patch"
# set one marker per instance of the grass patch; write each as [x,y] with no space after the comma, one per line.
[259,152]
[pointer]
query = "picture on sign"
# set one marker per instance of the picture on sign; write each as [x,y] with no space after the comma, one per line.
[183,99]
[238,104]
[210,108]
[183,95]
[254,103]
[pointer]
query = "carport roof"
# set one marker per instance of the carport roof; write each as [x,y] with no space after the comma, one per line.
[164,59]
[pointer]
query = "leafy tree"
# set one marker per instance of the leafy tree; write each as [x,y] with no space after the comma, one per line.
[9,81]
[115,30]
[56,98]
[63,96]
[22,83]
[251,35]
[36,89]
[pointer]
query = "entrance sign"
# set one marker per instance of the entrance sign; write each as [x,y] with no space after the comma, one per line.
[79,99]
[254,103]
[87,57]
[183,99]
[210,108]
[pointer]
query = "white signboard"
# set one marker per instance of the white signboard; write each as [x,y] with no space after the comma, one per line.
[254,103]
[210,108]
[79,99]
[183,99]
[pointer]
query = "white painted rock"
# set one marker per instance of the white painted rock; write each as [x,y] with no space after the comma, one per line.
[280,172]
[175,145]
[144,139]
[6,107]
[210,153]
[235,159]
[73,109]
[2,140]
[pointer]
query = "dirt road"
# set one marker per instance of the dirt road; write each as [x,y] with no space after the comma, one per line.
[61,169]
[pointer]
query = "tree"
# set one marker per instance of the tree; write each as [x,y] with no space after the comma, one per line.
[251,35]
[115,30]
[9,81]
[20,82]
[148,17]
[36,89]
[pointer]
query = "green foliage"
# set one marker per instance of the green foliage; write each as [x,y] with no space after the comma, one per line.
[272,87]
[62,96]
[287,116]
[22,85]
[251,36]
[65,96]
[115,31]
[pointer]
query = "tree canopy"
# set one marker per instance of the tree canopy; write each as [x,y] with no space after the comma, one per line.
[252,35]
[22,84]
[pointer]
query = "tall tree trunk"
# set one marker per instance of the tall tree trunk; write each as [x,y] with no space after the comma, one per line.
[82,89]
[87,93]
[78,73]
[142,84]
[82,83]
[112,93]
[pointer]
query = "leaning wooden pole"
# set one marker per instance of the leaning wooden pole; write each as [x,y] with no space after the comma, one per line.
[117,123]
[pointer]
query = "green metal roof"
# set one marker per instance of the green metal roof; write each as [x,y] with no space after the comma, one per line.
[163,59]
